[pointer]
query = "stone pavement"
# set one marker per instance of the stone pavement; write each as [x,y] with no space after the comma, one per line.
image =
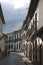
[26,60]
[12,59]
[1,56]
[15,58]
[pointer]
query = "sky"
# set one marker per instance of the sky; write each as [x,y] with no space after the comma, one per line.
[15,12]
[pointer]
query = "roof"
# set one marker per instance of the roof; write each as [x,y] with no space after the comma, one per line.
[32,8]
[1,15]
[4,35]
[26,22]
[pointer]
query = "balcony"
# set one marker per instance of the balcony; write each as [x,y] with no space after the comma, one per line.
[28,33]
[16,40]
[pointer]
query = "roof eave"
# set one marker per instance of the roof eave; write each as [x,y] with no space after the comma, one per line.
[32,8]
[1,14]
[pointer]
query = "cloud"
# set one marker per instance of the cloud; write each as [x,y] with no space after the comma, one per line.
[20,3]
[16,3]
[15,21]
[4,1]
[15,13]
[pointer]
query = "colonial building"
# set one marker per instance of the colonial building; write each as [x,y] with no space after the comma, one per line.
[33,29]
[2,21]
[14,40]
[2,43]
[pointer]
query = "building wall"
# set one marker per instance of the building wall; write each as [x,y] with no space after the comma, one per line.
[1,25]
[14,46]
[38,52]
[40,7]
[39,22]
[2,43]
[42,54]
[14,39]
[29,50]
[1,40]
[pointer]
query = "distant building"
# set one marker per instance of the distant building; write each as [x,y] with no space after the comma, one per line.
[14,41]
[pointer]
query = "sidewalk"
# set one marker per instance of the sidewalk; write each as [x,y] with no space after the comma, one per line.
[1,56]
[26,60]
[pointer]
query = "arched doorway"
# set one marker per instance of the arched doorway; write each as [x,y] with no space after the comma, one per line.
[37,51]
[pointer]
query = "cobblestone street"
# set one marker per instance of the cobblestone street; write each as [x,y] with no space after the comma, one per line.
[21,32]
[12,59]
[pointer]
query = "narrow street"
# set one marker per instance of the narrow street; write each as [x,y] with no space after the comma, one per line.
[21,32]
[12,59]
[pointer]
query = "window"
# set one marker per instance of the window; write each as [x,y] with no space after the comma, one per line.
[0,38]
[12,38]
[29,27]
[19,45]
[11,46]
[33,24]
[20,35]
[17,37]
[6,46]
[9,38]
[36,22]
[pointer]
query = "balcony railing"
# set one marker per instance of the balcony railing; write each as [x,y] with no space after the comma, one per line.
[16,40]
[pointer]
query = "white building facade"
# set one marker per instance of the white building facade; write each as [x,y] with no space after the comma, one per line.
[14,41]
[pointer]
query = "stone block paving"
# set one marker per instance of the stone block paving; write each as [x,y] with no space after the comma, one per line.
[26,60]
[12,59]
[15,59]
